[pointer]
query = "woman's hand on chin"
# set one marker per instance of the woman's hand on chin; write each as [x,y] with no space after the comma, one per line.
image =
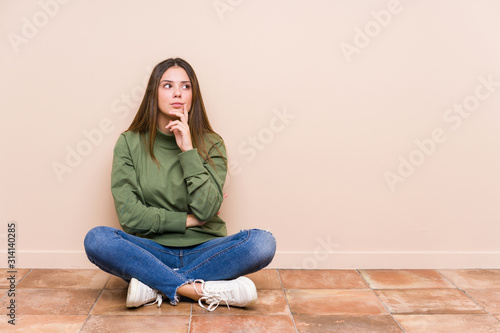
[180,128]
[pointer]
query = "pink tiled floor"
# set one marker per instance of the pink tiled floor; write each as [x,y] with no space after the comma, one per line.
[289,301]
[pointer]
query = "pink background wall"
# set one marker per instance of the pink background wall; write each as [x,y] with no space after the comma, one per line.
[361,133]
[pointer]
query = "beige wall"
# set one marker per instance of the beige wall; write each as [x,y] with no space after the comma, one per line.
[361,133]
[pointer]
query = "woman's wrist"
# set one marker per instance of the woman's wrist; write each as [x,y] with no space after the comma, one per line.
[187,148]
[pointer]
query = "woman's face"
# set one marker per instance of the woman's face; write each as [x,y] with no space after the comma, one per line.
[174,91]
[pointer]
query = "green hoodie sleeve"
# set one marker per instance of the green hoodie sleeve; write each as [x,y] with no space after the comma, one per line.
[205,181]
[134,216]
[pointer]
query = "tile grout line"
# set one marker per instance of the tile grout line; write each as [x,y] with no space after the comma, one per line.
[17,284]
[286,299]
[467,295]
[190,318]
[24,277]
[383,304]
[93,306]
[365,278]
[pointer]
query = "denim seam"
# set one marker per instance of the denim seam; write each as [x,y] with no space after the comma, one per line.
[218,254]
[175,300]
[221,238]
[207,248]
[149,246]
[140,248]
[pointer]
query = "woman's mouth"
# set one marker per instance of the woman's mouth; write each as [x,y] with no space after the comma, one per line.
[176,105]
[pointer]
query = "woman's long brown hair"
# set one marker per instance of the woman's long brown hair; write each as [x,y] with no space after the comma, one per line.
[146,118]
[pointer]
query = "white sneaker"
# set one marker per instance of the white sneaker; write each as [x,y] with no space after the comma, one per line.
[139,294]
[240,292]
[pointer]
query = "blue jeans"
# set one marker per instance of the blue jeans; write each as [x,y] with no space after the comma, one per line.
[167,268]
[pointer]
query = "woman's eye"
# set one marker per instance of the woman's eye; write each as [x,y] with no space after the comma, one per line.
[168,86]
[186,86]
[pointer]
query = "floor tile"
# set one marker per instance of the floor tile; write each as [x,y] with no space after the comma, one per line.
[115,282]
[321,279]
[53,302]
[44,324]
[269,301]
[65,279]
[334,302]
[456,323]
[405,279]
[427,301]
[266,279]
[242,323]
[50,300]
[136,324]
[19,275]
[487,298]
[361,324]
[474,278]
[112,302]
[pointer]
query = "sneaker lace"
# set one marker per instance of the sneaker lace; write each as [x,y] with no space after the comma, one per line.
[214,297]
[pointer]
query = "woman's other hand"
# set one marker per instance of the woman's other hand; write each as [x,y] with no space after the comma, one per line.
[223,197]
[192,221]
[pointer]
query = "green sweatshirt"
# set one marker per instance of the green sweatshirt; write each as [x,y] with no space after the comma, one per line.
[153,202]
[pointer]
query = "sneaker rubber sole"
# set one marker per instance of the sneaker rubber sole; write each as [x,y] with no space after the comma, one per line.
[132,294]
[250,287]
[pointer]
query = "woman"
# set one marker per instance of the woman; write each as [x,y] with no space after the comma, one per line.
[169,169]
